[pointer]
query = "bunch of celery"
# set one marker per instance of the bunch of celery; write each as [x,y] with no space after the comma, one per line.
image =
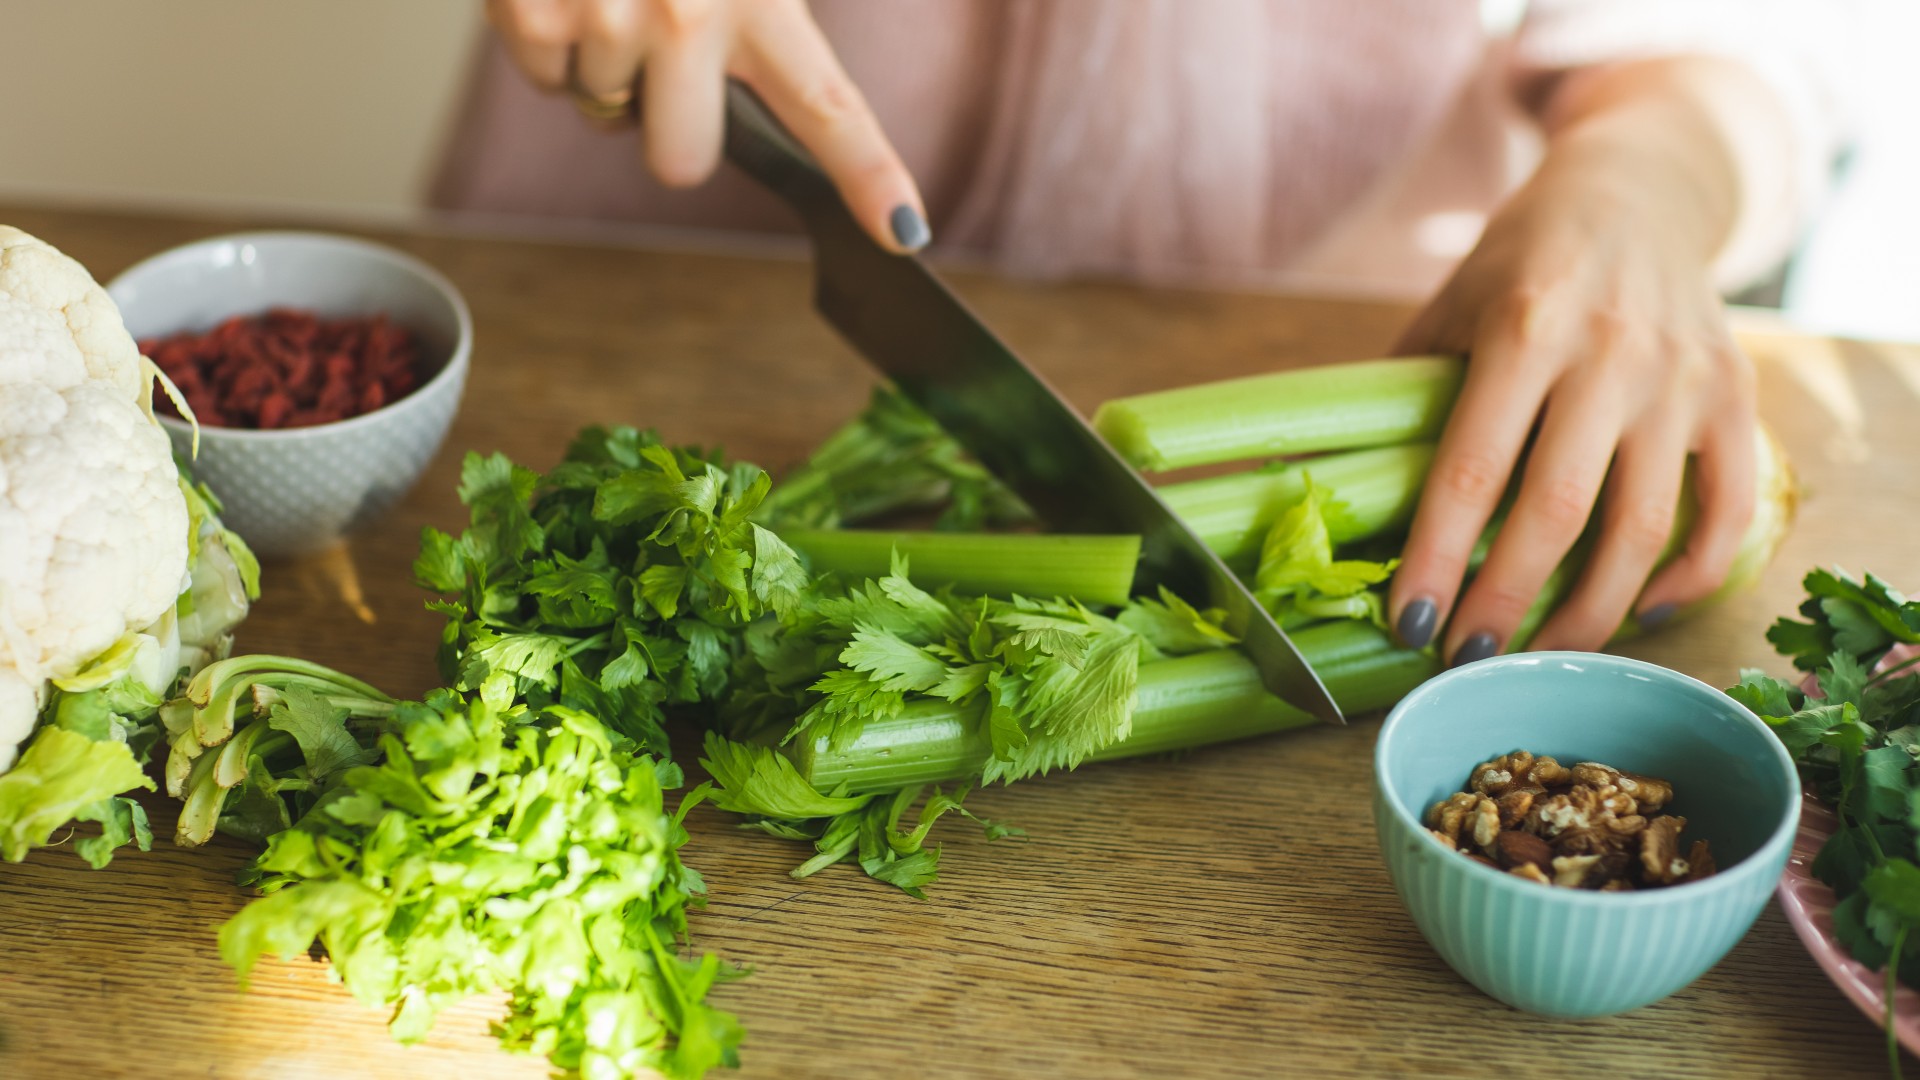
[1364,430]
[841,715]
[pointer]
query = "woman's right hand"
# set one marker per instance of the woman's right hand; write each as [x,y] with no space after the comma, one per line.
[679,53]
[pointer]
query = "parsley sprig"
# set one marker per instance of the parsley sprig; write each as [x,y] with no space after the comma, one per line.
[617,583]
[1855,732]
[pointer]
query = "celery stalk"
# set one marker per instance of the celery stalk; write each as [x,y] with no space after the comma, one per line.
[1303,411]
[1776,499]
[1091,569]
[1184,702]
[1232,513]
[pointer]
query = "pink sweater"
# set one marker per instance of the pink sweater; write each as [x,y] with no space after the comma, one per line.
[1350,146]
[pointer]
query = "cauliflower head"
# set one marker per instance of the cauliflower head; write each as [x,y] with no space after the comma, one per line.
[93,523]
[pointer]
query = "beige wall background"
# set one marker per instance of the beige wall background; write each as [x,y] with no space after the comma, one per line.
[331,107]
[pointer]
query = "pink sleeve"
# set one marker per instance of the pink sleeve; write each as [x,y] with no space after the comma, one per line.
[1801,49]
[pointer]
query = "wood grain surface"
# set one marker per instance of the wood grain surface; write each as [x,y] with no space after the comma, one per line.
[1223,915]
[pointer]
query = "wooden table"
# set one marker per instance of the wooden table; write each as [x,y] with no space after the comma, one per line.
[1223,915]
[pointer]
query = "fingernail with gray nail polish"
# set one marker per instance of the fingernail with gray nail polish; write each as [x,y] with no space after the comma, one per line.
[909,228]
[1656,615]
[1478,647]
[1416,624]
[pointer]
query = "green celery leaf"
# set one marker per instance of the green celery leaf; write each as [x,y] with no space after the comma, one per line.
[1297,569]
[726,567]
[1039,637]
[321,730]
[895,664]
[961,683]
[1174,627]
[1070,712]
[1856,617]
[910,873]
[60,774]
[839,841]
[286,923]
[849,701]
[1807,643]
[502,850]
[122,822]
[1296,547]
[761,780]
[1006,696]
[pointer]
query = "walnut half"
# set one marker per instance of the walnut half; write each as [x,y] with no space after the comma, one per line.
[1588,827]
[1660,859]
[1651,793]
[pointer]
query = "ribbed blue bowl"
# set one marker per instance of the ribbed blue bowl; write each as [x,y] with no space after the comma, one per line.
[1570,952]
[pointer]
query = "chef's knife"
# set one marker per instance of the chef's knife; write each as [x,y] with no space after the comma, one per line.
[907,324]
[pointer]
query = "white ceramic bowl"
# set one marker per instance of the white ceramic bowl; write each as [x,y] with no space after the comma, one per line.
[294,490]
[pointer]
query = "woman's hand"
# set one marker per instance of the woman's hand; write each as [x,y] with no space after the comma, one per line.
[1594,330]
[680,52]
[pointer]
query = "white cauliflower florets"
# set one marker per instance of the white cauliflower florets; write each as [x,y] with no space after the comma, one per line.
[93,525]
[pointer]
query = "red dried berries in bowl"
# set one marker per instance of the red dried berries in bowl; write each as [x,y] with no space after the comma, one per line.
[288,368]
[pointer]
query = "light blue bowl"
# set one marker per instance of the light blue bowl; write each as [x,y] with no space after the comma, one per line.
[1570,952]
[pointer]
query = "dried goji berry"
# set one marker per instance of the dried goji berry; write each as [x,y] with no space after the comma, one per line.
[288,368]
[274,409]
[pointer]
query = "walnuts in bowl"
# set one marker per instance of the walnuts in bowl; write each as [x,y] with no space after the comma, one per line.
[1591,826]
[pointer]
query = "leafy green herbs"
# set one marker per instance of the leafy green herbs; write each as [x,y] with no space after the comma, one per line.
[1047,683]
[1053,680]
[1844,616]
[509,832]
[892,458]
[1300,581]
[65,776]
[501,847]
[1856,736]
[615,584]
[762,783]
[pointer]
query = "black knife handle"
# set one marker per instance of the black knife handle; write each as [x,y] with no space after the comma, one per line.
[763,148]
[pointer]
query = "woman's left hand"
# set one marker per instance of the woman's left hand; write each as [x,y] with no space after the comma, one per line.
[1594,330]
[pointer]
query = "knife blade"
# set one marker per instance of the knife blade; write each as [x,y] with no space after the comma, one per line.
[899,316]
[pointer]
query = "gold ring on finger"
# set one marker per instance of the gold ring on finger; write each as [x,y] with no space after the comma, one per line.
[603,108]
[611,108]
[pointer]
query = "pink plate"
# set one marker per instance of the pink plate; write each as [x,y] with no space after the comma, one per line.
[1809,907]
